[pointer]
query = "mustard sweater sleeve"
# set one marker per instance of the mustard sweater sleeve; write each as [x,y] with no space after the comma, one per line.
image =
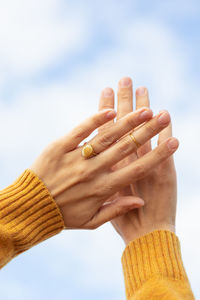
[28,215]
[153,268]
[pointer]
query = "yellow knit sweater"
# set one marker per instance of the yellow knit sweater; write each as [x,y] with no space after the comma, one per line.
[152,264]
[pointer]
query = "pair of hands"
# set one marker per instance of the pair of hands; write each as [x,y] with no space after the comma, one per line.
[135,188]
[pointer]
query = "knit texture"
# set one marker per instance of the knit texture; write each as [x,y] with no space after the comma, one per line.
[28,215]
[153,268]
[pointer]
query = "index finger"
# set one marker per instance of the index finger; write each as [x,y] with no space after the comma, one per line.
[142,99]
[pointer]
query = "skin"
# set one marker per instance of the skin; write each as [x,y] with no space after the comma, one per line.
[158,189]
[82,186]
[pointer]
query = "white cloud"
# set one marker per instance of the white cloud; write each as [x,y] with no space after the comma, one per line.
[149,52]
[188,9]
[99,252]
[16,290]
[36,33]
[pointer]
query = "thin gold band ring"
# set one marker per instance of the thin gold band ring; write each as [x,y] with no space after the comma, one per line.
[135,141]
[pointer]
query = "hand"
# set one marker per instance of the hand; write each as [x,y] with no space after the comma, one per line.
[158,188]
[81,186]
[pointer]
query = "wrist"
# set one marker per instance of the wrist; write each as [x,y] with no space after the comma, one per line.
[132,235]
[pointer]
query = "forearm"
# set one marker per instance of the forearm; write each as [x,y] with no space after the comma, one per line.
[28,215]
[153,268]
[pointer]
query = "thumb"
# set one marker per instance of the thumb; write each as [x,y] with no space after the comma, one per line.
[116,208]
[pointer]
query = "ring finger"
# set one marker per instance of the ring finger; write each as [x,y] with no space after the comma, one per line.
[106,138]
[127,145]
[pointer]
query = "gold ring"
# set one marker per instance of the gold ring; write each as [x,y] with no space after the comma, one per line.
[135,141]
[88,151]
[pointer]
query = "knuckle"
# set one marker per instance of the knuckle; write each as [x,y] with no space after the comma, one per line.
[118,211]
[131,122]
[125,95]
[106,140]
[103,189]
[150,128]
[79,133]
[107,106]
[84,173]
[96,121]
[125,146]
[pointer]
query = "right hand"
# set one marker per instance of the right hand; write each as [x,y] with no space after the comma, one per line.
[157,189]
[81,186]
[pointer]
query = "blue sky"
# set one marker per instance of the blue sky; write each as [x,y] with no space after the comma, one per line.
[55,58]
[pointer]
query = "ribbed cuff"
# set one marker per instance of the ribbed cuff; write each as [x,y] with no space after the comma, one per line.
[155,254]
[28,213]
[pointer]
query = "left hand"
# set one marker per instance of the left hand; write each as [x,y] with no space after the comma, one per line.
[158,188]
[80,186]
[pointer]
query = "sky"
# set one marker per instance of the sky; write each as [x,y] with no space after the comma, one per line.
[55,58]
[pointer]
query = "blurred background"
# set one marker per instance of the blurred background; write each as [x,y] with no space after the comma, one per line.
[55,57]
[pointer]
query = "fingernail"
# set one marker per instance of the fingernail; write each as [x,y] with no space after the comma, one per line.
[141,91]
[125,82]
[137,205]
[111,114]
[164,118]
[172,144]
[146,114]
[107,92]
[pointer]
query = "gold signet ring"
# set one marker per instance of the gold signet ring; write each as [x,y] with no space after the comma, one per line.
[135,141]
[88,151]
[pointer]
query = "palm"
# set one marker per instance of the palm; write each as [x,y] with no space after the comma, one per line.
[152,188]
[157,189]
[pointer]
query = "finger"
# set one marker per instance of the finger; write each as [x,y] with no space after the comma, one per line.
[104,140]
[125,106]
[106,101]
[142,99]
[126,145]
[78,134]
[115,209]
[125,97]
[165,134]
[144,165]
